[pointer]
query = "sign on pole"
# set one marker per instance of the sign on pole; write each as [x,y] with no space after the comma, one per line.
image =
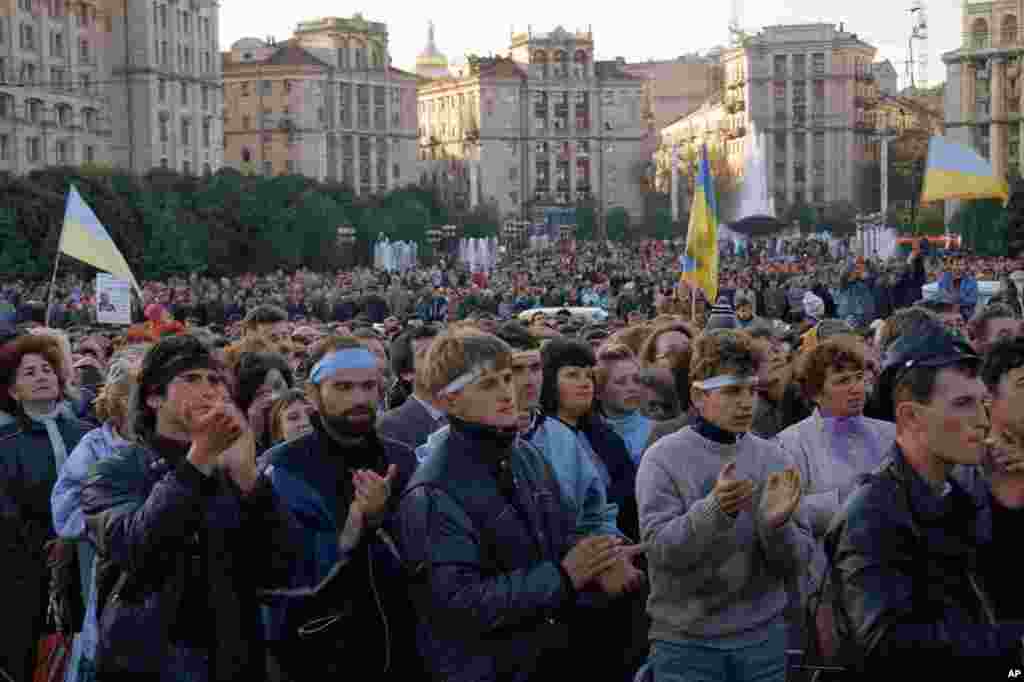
[113,300]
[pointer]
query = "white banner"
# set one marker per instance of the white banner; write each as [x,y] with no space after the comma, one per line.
[113,300]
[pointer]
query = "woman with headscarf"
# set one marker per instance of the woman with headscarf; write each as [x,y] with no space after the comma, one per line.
[68,519]
[44,431]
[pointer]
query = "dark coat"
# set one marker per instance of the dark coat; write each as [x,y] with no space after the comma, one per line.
[28,473]
[906,565]
[409,423]
[310,474]
[146,516]
[490,594]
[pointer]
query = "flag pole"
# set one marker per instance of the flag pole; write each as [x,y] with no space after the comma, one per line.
[693,304]
[53,285]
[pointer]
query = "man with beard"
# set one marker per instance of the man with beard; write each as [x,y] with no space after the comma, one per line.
[342,483]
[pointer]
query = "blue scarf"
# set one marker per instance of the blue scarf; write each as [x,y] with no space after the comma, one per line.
[635,429]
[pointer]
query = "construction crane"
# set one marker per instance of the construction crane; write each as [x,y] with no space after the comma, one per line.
[919,33]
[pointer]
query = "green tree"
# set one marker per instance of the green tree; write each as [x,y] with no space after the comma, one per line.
[617,222]
[586,220]
[16,256]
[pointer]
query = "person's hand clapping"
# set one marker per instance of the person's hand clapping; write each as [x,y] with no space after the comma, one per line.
[373,491]
[213,428]
[732,493]
[239,459]
[623,576]
[590,557]
[781,498]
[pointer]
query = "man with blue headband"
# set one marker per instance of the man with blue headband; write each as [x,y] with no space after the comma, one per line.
[342,482]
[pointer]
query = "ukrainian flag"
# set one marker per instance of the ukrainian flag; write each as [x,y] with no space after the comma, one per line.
[700,263]
[956,172]
[84,238]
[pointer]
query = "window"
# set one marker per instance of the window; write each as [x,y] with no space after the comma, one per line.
[818,62]
[57,44]
[33,149]
[62,152]
[89,152]
[207,171]
[186,167]
[819,194]
[184,94]
[27,37]
[245,88]
[268,168]
[163,163]
[83,51]
[163,129]
[246,122]
[57,77]
[799,65]
[163,17]
[204,96]
[780,66]
[65,116]
[206,132]
[266,88]
[89,119]
[396,171]
[5,147]
[165,53]
[289,166]
[161,90]
[86,81]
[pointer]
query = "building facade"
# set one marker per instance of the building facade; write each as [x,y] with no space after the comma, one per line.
[808,88]
[53,106]
[675,87]
[543,126]
[983,95]
[887,77]
[165,85]
[326,104]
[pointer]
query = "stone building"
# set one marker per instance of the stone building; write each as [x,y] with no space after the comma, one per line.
[808,88]
[53,106]
[541,127]
[326,103]
[165,85]
[674,88]
[983,95]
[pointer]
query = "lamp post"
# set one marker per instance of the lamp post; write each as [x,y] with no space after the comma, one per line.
[346,242]
[449,236]
[434,239]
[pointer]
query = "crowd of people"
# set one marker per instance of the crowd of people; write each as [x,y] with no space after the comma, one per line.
[571,464]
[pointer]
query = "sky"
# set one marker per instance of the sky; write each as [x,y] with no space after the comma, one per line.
[672,30]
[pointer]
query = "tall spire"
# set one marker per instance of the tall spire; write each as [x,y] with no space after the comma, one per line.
[431,46]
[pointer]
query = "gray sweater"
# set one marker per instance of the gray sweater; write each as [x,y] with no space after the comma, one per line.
[713,576]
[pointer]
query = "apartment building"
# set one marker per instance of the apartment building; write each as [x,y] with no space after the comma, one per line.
[676,87]
[543,126]
[52,105]
[327,104]
[809,88]
[984,94]
[164,85]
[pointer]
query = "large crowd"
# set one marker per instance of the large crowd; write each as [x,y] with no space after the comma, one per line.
[572,464]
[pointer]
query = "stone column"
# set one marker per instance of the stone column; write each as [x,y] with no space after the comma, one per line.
[968,85]
[356,170]
[997,132]
[674,160]
[373,164]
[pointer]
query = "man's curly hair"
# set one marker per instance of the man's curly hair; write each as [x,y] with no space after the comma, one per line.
[724,351]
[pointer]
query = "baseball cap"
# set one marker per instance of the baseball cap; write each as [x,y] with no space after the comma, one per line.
[927,344]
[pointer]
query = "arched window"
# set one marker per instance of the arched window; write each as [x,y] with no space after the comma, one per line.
[246,155]
[1008,30]
[979,33]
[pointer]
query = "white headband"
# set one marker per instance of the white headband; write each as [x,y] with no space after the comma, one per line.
[466,378]
[723,380]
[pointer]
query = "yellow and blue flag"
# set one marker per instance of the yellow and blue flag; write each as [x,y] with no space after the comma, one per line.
[700,262]
[84,238]
[957,172]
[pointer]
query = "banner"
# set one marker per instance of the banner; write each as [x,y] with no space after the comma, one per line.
[113,300]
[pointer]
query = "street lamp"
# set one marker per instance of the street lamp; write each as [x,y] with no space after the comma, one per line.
[346,242]
[449,235]
[434,239]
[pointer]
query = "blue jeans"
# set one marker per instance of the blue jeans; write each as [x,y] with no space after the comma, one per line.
[691,662]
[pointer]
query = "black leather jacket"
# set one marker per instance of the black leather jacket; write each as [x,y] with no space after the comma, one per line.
[906,565]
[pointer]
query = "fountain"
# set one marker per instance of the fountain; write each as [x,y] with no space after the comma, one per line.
[754,199]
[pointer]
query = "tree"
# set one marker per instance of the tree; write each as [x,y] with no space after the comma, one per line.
[16,256]
[586,220]
[617,222]
[1015,219]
